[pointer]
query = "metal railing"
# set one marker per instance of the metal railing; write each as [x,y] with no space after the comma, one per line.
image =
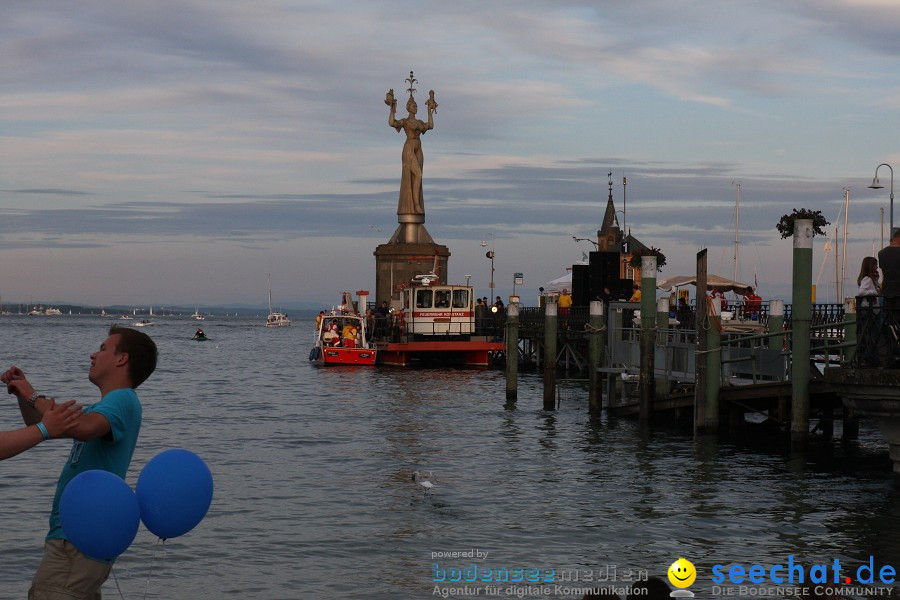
[877,334]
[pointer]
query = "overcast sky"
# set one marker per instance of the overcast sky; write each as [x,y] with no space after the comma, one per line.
[179,151]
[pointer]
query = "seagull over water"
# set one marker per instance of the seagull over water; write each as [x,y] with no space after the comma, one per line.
[423,480]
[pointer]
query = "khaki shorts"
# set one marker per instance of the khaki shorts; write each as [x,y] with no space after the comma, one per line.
[67,574]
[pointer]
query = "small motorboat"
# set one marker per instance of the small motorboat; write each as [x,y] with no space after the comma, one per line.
[341,338]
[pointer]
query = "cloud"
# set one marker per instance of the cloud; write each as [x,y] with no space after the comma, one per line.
[254,133]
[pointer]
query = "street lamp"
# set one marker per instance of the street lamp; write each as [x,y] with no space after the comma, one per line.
[578,239]
[876,185]
[490,255]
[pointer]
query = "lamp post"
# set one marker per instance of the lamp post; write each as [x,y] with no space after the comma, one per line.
[490,255]
[876,185]
[578,239]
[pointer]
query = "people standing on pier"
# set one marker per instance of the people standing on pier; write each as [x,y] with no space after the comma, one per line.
[370,323]
[565,306]
[605,296]
[868,277]
[382,320]
[636,295]
[889,259]
[720,295]
[752,303]
[104,438]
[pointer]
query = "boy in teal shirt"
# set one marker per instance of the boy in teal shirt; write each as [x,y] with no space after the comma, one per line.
[104,438]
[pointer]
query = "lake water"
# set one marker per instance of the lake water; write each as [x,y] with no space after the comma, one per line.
[313,466]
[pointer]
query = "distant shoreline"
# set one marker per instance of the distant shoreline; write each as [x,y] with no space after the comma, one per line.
[14,309]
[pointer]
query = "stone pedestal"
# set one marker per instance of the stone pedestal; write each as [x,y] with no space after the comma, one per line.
[397,263]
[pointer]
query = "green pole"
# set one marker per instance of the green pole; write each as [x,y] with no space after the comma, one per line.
[662,320]
[550,355]
[613,336]
[512,351]
[662,327]
[596,347]
[801,314]
[648,336]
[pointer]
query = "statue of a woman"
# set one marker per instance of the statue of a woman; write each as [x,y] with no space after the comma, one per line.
[411,201]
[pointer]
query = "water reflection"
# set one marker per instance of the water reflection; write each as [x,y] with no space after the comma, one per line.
[313,490]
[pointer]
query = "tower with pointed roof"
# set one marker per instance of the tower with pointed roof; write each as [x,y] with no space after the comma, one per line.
[611,238]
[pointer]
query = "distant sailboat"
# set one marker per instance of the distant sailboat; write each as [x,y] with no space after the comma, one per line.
[275,319]
[197,314]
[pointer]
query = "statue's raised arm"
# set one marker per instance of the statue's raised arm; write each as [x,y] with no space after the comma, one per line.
[392,104]
[432,109]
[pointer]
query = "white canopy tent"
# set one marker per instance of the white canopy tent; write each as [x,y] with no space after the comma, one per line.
[558,285]
[712,281]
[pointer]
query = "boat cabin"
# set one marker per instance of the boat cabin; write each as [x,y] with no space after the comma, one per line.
[439,310]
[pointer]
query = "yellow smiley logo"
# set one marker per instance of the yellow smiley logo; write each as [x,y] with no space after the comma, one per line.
[682,573]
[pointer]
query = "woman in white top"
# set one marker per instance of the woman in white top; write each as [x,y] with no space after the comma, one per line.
[868,277]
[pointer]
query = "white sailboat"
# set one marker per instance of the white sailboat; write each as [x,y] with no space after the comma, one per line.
[275,319]
[197,314]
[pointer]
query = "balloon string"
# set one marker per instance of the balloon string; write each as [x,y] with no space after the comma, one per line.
[153,563]
[116,579]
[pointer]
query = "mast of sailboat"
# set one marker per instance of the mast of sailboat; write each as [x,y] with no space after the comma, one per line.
[844,255]
[270,293]
[737,226]
[837,261]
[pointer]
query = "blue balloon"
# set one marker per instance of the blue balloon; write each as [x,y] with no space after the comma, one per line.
[99,514]
[174,491]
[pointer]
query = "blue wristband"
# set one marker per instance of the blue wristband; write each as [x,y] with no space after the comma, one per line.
[44,431]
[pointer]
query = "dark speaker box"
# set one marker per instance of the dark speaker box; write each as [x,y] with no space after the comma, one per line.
[581,285]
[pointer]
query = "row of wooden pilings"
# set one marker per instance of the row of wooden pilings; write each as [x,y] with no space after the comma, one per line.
[708,363]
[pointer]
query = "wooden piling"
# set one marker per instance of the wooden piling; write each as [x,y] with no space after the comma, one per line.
[850,419]
[801,315]
[700,375]
[550,327]
[713,360]
[648,336]
[512,352]
[596,350]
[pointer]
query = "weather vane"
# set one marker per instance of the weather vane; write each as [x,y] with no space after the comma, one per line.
[411,81]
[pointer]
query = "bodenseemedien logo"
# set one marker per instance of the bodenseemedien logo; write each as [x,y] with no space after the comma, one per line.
[682,574]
